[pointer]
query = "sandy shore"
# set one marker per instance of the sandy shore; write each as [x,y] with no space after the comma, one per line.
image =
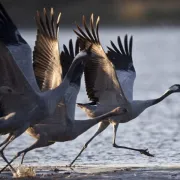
[103,172]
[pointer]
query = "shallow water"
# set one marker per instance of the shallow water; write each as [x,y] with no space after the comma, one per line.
[157,62]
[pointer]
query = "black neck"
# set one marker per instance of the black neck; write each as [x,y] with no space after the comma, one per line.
[167,93]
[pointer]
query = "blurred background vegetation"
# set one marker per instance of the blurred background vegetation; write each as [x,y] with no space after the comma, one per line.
[112,12]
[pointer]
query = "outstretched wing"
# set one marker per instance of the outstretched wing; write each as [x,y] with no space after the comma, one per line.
[122,59]
[66,109]
[18,47]
[47,68]
[100,77]
[67,57]
[12,76]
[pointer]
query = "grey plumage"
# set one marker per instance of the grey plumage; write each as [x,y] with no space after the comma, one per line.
[16,72]
[49,72]
[109,79]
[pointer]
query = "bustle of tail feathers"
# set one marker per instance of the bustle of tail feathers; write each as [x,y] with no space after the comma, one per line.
[88,109]
[90,103]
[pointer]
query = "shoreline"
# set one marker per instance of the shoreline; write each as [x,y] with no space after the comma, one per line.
[93,172]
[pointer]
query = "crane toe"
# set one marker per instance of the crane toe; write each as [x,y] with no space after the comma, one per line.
[146,152]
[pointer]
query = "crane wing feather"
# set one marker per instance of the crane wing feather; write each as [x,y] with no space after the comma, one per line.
[17,46]
[123,63]
[100,77]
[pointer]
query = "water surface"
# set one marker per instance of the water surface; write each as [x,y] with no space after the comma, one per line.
[157,62]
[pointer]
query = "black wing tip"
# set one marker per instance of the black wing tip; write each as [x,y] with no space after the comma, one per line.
[110,49]
[124,49]
[73,49]
[68,54]
[121,56]
[79,105]
[77,47]
[65,50]
[5,18]
[84,104]
[9,33]
[3,10]
[70,41]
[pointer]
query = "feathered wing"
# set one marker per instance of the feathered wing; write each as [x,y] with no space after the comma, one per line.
[46,55]
[46,58]
[121,57]
[11,75]
[100,77]
[65,109]
[18,47]
[67,57]
[50,66]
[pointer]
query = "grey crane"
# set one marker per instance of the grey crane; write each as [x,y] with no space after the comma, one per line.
[50,70]
[108,87]
[16,72]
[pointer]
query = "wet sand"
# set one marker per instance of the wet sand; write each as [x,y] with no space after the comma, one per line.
[102,172]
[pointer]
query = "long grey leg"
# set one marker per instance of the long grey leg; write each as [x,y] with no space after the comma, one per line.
[12,138]
[23,156]
[6,140]
[38,144]
[2,152]
[142,151]
[41,142]
[102,127]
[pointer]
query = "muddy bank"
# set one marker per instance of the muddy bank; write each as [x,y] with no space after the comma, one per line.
[103,172]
